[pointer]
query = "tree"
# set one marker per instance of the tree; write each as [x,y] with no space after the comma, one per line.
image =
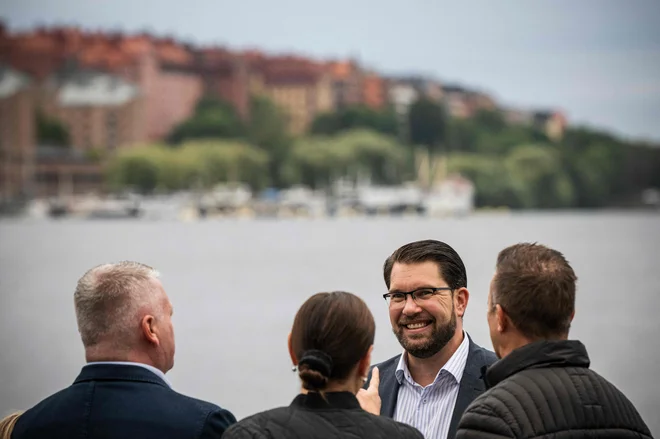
[226,161]
[538,178]
[595,163]
[137,170]
[211,119]
[490,120]
[427,125]
[51,131]
[380,157]
[267,129]
[354,117]
[493,185]
[319,161]
[197,163]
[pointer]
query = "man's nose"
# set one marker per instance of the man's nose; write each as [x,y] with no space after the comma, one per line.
[411,307]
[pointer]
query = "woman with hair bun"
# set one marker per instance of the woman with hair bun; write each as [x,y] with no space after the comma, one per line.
[330,346]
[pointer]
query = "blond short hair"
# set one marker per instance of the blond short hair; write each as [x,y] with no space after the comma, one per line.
[107,300]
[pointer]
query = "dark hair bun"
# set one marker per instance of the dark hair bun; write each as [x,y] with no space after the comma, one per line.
[312,379]
[315,368]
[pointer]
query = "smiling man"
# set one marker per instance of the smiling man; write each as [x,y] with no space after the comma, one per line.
[439,373]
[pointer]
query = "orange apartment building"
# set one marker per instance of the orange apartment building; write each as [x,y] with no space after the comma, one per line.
[347,83]
[26,168]
[352,85]
[102,112]
[302,88]
[162,69]
[374,91]
[17,134]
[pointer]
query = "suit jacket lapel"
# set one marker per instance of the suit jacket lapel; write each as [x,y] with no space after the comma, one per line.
[388,389]
[389,386]
[471,386]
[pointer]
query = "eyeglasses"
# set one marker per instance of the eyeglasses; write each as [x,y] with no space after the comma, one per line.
[398,299]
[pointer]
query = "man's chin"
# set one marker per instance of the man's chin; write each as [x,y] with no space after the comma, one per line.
[421,352]
[415,346]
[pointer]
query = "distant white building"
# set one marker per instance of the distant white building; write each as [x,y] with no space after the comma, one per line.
[402,95]
[452,196]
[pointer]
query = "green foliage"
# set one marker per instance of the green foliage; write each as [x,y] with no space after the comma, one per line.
[531,176]
[134,169]
[318,161]
[518,166]
[427,125]
[267,129]
[511,165]
[51,131]
[355,117]
[493,185]
[212,119]
[202,163]
[538,178]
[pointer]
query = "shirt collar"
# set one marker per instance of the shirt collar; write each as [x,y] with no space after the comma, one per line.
[455,365]
[159,373]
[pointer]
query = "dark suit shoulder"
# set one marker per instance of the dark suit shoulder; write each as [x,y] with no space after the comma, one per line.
[88,407]
[481,355]
[215,419]
[387,365]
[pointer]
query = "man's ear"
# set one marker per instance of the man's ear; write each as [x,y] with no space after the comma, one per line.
[292,354]
[461,298]
[502,319]
[148,329]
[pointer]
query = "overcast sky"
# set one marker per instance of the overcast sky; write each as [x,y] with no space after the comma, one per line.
[597,60]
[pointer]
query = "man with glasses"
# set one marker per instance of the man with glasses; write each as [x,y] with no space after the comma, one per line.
[439,373]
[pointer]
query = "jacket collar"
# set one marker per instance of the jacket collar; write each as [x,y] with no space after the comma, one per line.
[471,386]
[455,366]
[118,372]
[539,354]
[329,400]
[472,383]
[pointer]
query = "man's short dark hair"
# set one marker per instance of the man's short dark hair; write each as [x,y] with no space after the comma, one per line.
[535,286]
[449,263]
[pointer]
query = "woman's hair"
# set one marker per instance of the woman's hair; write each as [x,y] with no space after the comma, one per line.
[331,333]
[7,425]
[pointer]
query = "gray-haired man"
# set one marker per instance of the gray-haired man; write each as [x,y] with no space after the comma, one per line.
[125,321]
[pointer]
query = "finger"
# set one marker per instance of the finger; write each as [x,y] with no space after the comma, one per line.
[375,379]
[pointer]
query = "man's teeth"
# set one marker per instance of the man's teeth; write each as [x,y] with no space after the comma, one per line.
[415,325]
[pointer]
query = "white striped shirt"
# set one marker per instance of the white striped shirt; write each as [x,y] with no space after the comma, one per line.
[430,409]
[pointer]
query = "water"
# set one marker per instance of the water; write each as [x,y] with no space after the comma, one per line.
[236,286]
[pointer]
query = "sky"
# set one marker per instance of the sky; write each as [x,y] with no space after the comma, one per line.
[596,60]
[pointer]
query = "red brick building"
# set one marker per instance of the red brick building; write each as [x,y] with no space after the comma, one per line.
[17,134]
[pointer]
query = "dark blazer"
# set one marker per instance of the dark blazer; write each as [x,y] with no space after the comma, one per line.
[471,386]
[335,415]
[121,401]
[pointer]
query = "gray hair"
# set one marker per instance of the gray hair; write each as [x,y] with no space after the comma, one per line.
[108,298]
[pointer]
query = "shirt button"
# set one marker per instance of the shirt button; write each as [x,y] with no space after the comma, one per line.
[424,401]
